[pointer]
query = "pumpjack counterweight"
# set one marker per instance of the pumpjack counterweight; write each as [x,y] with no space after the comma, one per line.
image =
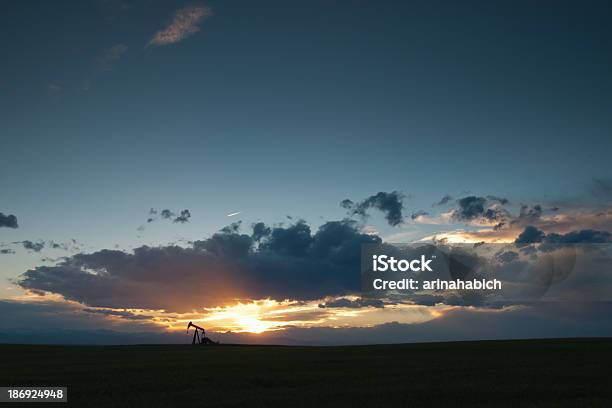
[199,335]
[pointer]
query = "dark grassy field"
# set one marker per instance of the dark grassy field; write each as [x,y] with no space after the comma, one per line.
[497,373]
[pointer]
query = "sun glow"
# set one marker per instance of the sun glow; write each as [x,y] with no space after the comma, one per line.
[267,315]
[488,236]
[255,317]
[253,324]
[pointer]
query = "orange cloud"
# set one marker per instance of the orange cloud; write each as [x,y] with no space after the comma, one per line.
[184,24]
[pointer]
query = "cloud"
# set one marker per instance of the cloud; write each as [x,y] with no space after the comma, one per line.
[508,227]
[580,237]
[388,203]
[107,61]
[444,200]
[119,313]
[533,235]
[470,207]
[289,262]
[54,88]
[167,214]
[352,304]
[285,262]
[53,322]
[501,200]
[50,321]
[71,245]
[6,251]
[507,256]
[32,246]
[294,240]
[529,214]
[183,217]
[458,324]
[530,235]
[152,214]
[185,23]
[282,262]
[418,215]
[233,228]
[260,230]
[480,209]
[8,221]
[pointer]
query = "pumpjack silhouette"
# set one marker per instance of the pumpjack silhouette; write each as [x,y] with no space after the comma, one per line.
[199,336]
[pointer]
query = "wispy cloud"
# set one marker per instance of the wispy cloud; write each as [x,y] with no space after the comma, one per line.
[185,23]
[54,88]
[107,61]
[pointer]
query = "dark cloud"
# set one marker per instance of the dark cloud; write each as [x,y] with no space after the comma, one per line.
[470,208]
[260,230]
[6,251]
[352,304]
[8,221]
[444,200]
[119,313]
[294,240]
[587,236]
[167,214]
[507,256]
[233,228]
[152,215]
[32,246]
[71,245]
[388,203]
[289,262]
[346,203]
[52,322]
[480,208]
[531,235]
[183,217]
[528,215]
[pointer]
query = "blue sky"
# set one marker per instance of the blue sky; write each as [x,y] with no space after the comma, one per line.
[286,108]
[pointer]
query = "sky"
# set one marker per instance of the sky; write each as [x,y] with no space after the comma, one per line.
[140,137]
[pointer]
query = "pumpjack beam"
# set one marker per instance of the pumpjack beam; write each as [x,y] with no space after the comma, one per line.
[199,335]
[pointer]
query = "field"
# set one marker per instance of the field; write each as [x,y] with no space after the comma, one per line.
[494,373]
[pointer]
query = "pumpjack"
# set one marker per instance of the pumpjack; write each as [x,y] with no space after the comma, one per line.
[199,336]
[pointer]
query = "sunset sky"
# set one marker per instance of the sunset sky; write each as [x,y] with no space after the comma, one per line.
[223,161]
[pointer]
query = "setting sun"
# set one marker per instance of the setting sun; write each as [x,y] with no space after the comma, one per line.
[253,325]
